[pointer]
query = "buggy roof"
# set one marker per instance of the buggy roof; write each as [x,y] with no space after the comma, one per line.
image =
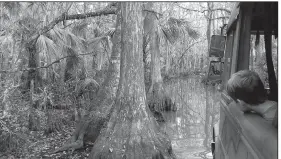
[258,16]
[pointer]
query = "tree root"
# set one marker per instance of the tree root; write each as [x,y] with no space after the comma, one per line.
[124,139]
[159,101]
[71,146]
[87,130]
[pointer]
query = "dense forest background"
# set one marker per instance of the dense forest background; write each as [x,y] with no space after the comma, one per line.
[60,71]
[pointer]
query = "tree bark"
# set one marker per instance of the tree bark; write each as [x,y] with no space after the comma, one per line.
[148,26]
[167,66]
[33,62]
[131,132]
[158,99]
[207,118]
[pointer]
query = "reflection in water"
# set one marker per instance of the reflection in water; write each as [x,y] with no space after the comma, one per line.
[186,126]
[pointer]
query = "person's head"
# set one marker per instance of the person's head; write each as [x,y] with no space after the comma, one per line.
[247,86]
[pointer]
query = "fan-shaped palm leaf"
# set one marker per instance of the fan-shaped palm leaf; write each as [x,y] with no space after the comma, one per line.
[100,45]
[110,32]
[173,28]
[57,35]
[66,39]
[80,29]
[73,58]
[12,7]
[4,17]
[47,48]
[95,41]
[46,45]
[74,65]
[6,42]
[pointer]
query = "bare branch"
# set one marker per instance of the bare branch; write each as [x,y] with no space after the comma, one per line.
[185,51]
[69,7]
[224,17]
[77,16]
[152,11]
[221,9]
[56,61]
[106,11]
[182,99]
[188,9]
[202,11]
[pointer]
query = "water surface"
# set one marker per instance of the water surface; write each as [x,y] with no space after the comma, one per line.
[186,126]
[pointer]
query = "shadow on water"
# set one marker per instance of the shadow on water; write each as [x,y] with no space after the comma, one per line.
[186,127]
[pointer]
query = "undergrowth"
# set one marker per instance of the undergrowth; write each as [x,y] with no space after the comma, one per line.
[55,112]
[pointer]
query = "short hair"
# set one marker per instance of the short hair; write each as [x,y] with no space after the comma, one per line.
[247,86]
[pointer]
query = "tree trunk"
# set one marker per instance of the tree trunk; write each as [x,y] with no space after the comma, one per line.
[158,99]
[201,63]
[148,26]
[207,118]
[33,119]
[99,111]
[2,75]
[33,62]
[100,59]
[168,47]
[131,132]
[167,67]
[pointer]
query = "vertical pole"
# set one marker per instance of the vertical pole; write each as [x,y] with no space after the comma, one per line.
[268,47]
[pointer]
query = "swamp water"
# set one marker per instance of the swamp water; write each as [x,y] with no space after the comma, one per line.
[186,126]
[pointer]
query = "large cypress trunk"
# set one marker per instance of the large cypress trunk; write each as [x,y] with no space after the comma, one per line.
[158,99]
[131,132]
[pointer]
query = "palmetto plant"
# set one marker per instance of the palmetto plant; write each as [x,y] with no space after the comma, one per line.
[174,28]
[53,55]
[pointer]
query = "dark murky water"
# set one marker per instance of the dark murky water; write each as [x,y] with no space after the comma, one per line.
[186,126]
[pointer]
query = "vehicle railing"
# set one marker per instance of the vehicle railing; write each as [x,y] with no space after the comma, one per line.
[255,133]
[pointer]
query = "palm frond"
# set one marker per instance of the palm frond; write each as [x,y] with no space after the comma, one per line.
[74,65]
[110,32]
[94,41]
[66,39]
[74,41]
[80,29]
[47,46]
[28,24]
[191,32]
[72,61]
[173,28]
[170,33]
[5,17]
[100,44]
[73,56]
[12,7]
[5,42]
[58,35]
